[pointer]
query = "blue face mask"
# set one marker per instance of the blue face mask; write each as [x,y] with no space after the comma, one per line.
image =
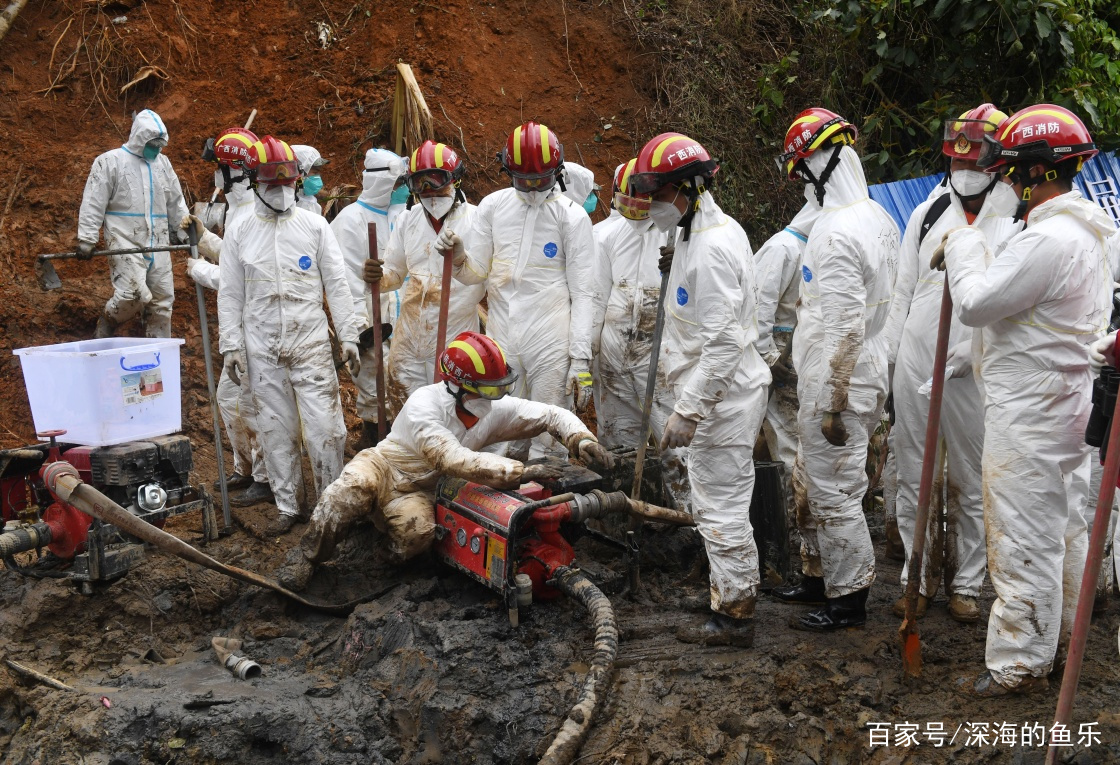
[312,185]
[591,203]
[400,195]
[151,151]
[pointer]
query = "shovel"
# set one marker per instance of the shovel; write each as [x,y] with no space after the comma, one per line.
[48,277]
[378,348]
[444,304]
[908,632]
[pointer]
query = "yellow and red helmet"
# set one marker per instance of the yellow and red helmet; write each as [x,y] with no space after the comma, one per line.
[634,207]
[477,364]
[810,130]
[433,166]
[230,148]
[671,158]
[532,156]
[272,162]
[963,137]
[1041,133]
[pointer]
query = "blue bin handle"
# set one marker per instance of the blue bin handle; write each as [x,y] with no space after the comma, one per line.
[141,367]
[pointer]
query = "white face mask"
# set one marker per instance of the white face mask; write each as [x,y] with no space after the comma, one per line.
[968,183]
[238,193]
[664,215]
[1001,201]
[438,207]
[278,197]
[479,407]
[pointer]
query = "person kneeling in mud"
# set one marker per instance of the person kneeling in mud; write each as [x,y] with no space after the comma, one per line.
[438,432]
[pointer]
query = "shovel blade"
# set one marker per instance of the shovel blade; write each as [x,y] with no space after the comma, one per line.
[911,649]
[48,277]
[212,215]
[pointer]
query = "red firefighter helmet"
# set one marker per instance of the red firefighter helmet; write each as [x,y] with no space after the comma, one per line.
[433,166]
[532,157]
[272,162]
[627,204]
[477,364]
[232,145]
[810,130]
[963,137]
[1041,133]
[671,158]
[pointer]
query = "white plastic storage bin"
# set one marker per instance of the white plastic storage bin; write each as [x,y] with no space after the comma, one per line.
[104,392]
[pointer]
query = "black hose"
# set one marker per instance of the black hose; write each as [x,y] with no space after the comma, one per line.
[24,538]
[565,746]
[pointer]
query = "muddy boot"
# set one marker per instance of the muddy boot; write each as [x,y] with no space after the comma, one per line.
[899,608]
[157,326]
[256,494]
[895,549]
[720,630]
[281,525]
[986,686]
[808,592]
[964,609]
[369,437]
[234,482]
[838,613]
[105,328]
[296,571]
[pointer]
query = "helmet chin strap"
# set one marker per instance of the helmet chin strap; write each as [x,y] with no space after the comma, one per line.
[819,183]
[692,192]
[228,181]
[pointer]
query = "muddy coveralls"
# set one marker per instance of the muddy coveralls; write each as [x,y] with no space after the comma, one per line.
[847,274]
[911,334]
[536,253]
[415,267]
[138,202]
[627,289]
[1039,303]
[719,380]
[395,480]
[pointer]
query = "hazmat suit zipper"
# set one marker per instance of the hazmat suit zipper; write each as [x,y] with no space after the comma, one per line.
[527,228]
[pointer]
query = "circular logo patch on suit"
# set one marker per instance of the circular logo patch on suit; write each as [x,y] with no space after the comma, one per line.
[550,250]
[305,263]
[806,273]
[682,296]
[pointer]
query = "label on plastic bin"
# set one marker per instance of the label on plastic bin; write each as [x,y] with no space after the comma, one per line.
[137,387]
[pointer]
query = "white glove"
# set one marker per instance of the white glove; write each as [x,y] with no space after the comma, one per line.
[1101,353]
[350,357]
[679,431]
[579,383]
[959,361]
[234,364]
[449,240]
[191,264]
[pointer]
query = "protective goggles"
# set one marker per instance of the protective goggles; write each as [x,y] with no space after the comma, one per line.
[542,182]
[429,180]
[646,183]
[491,390]
[277,173]
[634,208]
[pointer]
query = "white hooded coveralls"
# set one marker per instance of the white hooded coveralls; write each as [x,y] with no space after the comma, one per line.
[579,182]
[1042,299]
[847,273]
[351,228]
[911,334]
[274,271]
[307,156]
[536,253]
[719,380]
[396,480]
[413,265]
[132,198]
[627,292]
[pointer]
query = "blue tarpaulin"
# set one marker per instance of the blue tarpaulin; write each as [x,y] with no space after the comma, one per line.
[1099,180]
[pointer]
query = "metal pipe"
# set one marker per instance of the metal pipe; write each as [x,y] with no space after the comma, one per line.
[378,347]
[124,251]
[204,326]
[444,305]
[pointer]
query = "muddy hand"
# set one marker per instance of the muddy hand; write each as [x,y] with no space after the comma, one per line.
[937,262]
[449,242]
[665,262]
[234,364]
[541,473]
[679,431]
[593,453]
[85,250]
[351,358]
[832,426]
[783,373]
[193,221]
[372,271]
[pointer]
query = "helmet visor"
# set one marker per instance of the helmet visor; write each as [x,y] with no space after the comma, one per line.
[542,182]
[991,152]
[428,180]
[634,208]
[973,131]
[278,173]
[491,389]
[642,184]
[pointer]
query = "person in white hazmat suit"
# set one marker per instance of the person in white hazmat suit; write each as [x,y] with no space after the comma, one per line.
[1038,304]
[275,267]
[627,290]
[440,431]
[414,260]
[778,268]
[911,334]
[839,352]
[311,164]
[534,249]
[717,378]
[131,193]
[382,172]
[580,186]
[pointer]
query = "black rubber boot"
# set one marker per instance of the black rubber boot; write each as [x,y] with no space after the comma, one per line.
[720,630]
[257,493]
[808,592]
[838,613]
[235,482]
